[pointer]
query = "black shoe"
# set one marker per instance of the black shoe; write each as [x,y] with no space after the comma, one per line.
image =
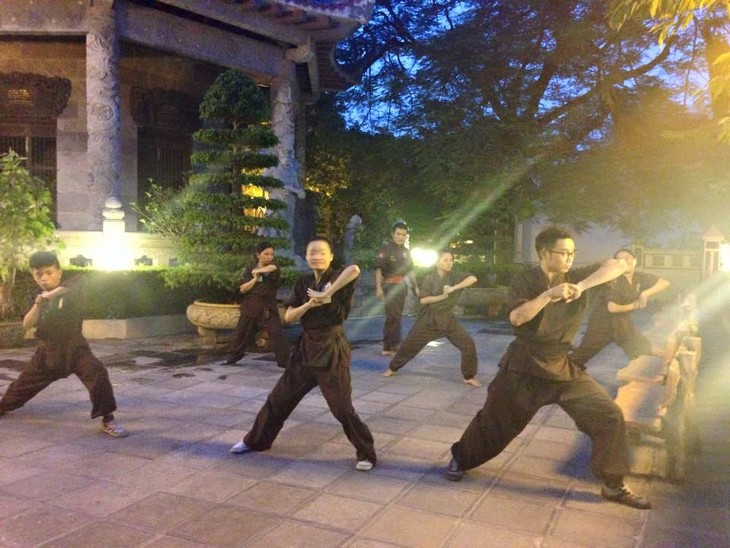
[622,495]
[453,472]
[231,361]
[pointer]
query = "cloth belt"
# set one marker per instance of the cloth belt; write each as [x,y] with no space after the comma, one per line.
[395,279]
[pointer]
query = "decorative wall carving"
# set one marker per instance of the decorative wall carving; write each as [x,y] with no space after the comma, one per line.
[164,109]
[27,95]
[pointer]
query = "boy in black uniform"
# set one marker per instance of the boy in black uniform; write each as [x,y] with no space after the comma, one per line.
[610,320]
[321,301]
[393,265]
[62,350]
[546,308]
[439,293]
[259,309]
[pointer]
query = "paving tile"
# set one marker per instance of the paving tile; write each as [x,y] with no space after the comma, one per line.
[308,474]
[370,486]
[168,541]
[14,445]
[11,470]
[549,491]
[291,534]
[46,486]
[100,498]
[596,529]
[102,533]
[533,517]
[38,524]
[11,505]
[338,512]
[226,526]
[211,485]
[423,449]
[470,535]
[663,537]
[160,512]
[541,467]
[272,498]
[439,499]
[406,527]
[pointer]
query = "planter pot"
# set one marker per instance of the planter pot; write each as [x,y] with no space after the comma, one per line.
[214,321]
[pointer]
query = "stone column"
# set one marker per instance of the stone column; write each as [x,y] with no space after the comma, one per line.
[103,115]
[284,108]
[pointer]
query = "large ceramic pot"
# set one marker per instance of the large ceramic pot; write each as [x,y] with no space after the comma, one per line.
[213,319]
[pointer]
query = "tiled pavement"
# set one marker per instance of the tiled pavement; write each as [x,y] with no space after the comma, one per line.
[173,483]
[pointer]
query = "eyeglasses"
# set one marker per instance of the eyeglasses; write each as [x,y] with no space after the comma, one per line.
[564,254]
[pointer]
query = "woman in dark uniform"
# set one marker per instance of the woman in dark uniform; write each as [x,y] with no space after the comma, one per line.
[259,310]
[321,302]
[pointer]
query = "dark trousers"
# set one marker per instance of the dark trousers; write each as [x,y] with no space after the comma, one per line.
[395,300]
[422,333]
[38,375]
[293,385]
[512,401]
[246,330]
[599,335]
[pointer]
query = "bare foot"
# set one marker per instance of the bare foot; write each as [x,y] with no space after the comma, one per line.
[388,352]
[472,382]
[388,373]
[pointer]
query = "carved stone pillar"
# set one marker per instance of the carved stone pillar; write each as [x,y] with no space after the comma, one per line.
[103,114]
[284,108]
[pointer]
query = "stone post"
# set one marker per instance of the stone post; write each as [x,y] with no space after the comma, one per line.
[103,115]
[284,107]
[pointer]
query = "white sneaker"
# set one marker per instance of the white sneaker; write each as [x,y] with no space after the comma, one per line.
[364,465]
[240,447]
[114,430]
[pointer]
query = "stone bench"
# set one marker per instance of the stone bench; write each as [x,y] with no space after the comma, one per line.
[656,401]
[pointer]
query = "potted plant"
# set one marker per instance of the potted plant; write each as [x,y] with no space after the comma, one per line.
[225,209]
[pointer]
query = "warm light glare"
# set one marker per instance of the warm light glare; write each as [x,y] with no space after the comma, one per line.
[114,256]
[725,257]
[424,257]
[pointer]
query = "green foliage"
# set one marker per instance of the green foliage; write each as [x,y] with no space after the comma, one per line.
[217,220]
[135,293]
[235,100]
[25,224]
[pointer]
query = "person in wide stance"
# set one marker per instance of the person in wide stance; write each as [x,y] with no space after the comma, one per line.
[62,349]
[547,304]
[321,302]
[610,321]
[259,284]
[439,294]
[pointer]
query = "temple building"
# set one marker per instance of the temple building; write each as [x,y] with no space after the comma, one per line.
[101,97]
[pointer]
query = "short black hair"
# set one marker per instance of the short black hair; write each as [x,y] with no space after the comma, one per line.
[624,250]
[547,238]
[40,259]
[445,250]
[324,239]
[261,246]
[397,225]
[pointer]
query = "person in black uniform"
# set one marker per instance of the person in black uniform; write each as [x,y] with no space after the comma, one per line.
[259,309]
[440,290]
[610,319]
[62,349]
[393,266]
[321,302]
[547,304]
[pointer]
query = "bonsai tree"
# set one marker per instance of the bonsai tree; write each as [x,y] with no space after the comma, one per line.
[25,225]
[225,209]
